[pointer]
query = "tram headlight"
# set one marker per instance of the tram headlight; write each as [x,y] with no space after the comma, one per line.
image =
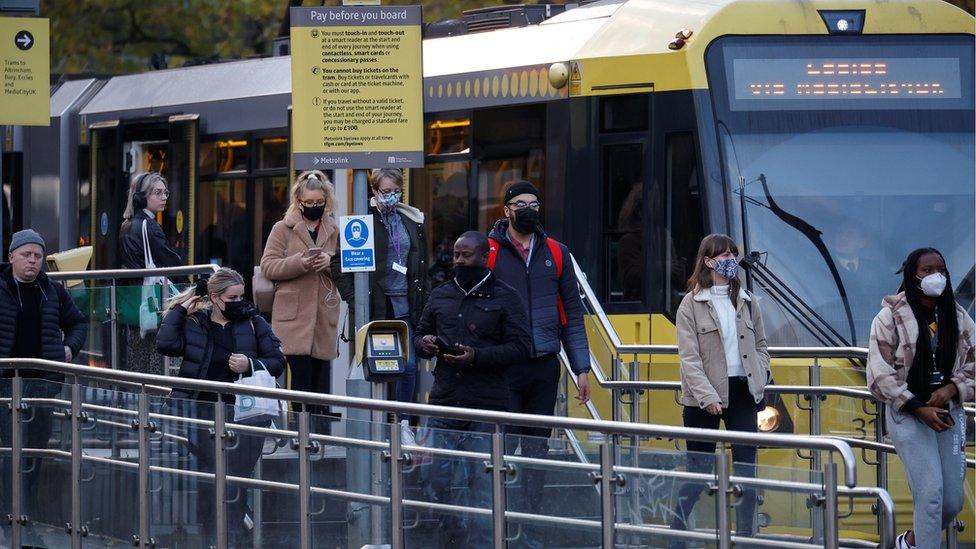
[558,75]
[768,419]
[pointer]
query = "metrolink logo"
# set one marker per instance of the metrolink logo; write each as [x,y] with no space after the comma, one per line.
[397,160]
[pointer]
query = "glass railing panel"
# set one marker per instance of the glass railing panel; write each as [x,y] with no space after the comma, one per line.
[109,473]
[667,495]
[449,470]
[556,488]
[783,506]
[344,453]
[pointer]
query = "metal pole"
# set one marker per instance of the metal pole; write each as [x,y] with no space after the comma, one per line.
[617,409]
[952,535]
[376,426]
[831,537]
[15,482]
[304,480]
[498,478]
[607,515]
[113,317]
[220,472]
[816,462]
[722,503]
[882,468]
[3,197]
[396,489]
[76,465]
[359,470]
[143,433]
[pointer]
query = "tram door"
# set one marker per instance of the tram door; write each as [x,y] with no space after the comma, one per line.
[121,150]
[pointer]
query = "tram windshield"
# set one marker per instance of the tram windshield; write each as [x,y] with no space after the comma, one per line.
[851,152]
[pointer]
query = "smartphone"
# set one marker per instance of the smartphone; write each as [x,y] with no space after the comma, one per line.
[312,252]
[446,348]
[946,417]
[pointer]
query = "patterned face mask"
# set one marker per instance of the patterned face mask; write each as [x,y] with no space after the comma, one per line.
[388,200]
[727,267]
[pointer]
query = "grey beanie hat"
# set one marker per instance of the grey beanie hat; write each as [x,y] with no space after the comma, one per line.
[24,237]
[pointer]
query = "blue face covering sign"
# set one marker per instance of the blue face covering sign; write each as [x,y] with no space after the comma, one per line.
[356,247]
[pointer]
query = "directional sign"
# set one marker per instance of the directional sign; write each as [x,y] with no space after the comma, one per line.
[25,61]
[356,248]
[357,87]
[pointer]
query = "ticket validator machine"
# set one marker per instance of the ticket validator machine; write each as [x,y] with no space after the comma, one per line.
[382,349]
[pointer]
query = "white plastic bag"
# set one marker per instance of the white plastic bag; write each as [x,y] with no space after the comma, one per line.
[153,287]
[249,406]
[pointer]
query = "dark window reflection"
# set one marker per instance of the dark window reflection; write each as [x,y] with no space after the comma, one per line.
[442,193]
[686,230]
[623,233]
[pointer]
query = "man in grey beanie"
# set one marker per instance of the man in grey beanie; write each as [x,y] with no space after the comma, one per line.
[37,320]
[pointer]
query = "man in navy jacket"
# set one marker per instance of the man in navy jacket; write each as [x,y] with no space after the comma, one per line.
[541,271]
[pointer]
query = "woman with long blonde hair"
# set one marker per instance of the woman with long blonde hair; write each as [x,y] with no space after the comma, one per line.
[306,303]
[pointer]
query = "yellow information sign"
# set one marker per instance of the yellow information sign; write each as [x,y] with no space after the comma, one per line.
[25,60]
[357,87]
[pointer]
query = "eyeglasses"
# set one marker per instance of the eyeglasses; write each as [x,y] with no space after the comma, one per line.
[520,204]
[312,204]
[161,192]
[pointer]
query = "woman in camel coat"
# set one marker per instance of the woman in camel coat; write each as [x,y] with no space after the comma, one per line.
[306,305]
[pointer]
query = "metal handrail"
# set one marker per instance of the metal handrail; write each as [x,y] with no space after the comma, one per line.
[117,274]
[486,416]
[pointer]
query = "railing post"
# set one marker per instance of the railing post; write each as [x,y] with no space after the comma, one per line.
[143,433]
[113,318]
[831,536]
[607,514]
[881,473]
[396,489]
[220,471]
[617,409]
[304,479]
[16,519]
[722,504]
[76,528]
[498,478]
[817,517]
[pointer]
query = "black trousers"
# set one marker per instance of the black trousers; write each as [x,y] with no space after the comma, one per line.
[311,375]
[533,387]
[739,416]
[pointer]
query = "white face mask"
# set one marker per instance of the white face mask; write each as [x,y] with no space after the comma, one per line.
[933,285]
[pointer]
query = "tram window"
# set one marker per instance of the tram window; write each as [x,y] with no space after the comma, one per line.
[622,234]
[449,136]
[84,196]
[624,113]
[441,191]
[494,177]
[272,200]
[224,239]
[686,228]
[273,153]
[223,156]
[505,128]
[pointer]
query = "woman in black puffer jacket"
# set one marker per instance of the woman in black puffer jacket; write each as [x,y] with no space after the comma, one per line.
[221,338]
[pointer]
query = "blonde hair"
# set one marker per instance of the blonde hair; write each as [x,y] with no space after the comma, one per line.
[379,174]
[145,182]
[218,283]
[310,181]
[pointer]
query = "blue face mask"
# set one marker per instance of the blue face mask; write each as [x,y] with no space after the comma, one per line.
[727,267]
[388,201]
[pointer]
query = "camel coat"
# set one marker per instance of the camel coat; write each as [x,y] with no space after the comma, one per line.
[306,307]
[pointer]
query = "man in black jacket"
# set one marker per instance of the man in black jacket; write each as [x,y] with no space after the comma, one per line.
[37,320]
[482,322]
[541,271]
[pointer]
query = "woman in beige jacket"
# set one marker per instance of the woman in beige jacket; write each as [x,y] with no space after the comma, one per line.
[306,305]
[724,370]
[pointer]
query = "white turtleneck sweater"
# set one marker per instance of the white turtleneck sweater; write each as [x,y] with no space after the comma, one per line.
[725,311]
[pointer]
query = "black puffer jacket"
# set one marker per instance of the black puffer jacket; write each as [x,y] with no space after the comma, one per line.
[61,321]
[538,286]
[418,286]
[189,338]
[131,249]
[492,321]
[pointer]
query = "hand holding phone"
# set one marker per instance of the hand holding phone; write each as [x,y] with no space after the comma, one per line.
[313,252]
[445,348]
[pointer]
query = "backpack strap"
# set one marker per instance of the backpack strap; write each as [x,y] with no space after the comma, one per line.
[557,257]
[492,253]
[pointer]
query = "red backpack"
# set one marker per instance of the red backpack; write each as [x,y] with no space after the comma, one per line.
[557,257]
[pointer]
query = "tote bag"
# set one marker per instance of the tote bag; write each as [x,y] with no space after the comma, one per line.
[250,406]
[150,303]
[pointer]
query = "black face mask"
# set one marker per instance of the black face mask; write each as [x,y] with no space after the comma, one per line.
[469,275]
[313,212]
[526,220]
[237,310]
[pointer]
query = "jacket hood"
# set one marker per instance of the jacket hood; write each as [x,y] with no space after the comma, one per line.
[895,302]
[704,295]
[406,210]
[499,231]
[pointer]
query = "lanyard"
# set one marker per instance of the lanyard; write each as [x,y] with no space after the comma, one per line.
[393,229]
